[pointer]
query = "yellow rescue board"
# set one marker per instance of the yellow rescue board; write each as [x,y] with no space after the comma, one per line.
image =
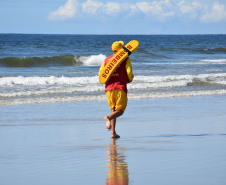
[116,60]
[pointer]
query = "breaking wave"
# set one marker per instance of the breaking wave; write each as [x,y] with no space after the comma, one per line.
[220,49]
[139,81]
[134,96]
[202,62]
[24,90]
[66,60]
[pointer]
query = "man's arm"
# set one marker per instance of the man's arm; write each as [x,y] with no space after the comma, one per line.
[129,70]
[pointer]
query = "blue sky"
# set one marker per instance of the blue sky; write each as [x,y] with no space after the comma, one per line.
[113,17]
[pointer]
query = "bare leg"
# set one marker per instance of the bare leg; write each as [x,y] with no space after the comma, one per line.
[115,114]
[112,119]
[113,123]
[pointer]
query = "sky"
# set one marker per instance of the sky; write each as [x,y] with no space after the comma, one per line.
[113,17]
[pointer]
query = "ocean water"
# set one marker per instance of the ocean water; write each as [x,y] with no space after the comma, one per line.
[52,140]
[64,68]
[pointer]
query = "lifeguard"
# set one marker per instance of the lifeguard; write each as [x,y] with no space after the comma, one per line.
[116,84]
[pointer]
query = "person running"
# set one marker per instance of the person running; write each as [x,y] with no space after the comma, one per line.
[116,89]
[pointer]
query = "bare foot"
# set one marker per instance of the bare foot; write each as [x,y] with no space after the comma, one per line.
[115,136]
[108,123]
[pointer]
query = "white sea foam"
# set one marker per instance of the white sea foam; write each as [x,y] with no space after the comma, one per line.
[52,91]
[221,82]
[220,61]
[202,62]
[29,86]
[52,80]
[177,94]
[158,84]
[93,60]
[52,99]
[18,90]
[175,63]
[169,78]
[103,98]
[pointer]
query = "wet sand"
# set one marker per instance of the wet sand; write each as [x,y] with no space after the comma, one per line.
[163,141]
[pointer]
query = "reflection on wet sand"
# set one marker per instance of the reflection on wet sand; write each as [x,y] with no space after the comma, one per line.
[117,167]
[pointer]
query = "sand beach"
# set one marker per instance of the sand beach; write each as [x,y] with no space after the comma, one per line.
[163,141]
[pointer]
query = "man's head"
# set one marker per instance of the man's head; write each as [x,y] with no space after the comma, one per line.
[116,46]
